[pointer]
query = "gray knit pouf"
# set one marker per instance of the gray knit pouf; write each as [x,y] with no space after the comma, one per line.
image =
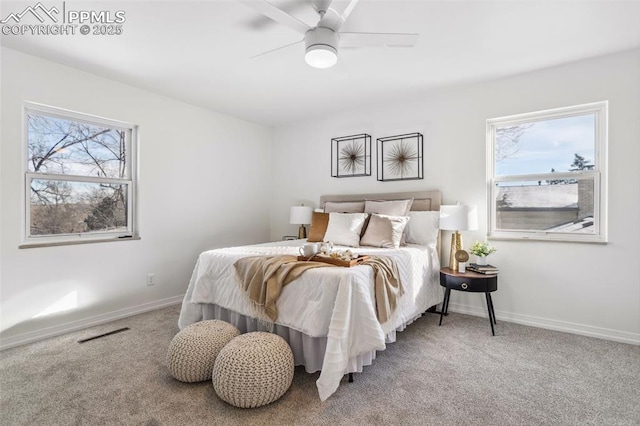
[254,369]
[193,350]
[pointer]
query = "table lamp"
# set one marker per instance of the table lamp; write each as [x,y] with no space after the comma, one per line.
[457,218]
[301,215]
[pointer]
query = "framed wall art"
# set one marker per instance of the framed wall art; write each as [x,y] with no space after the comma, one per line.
[351,156]
[400,157]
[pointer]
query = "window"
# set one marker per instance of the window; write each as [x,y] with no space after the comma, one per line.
[547,174]
[79,177]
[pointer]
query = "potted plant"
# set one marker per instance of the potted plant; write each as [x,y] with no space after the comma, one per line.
[482,249]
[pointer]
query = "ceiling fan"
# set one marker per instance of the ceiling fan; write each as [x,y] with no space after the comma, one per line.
[323,40]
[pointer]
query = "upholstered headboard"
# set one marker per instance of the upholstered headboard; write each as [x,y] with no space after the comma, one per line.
[422,200]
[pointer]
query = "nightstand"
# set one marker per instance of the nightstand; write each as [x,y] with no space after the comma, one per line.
[471,282]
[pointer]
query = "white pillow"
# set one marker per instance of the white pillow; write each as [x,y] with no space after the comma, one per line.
[423,228]
[344,228]
[390,207]
[384,231]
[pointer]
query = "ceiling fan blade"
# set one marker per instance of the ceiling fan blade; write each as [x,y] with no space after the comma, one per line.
[260,22]
[378,39]
[276,49]
[278,15]
[347,10]
[337,14]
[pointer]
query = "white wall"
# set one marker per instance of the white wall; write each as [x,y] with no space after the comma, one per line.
[203,177]
[584,288]
[204,183]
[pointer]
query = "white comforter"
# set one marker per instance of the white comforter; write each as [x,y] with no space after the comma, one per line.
[337,303]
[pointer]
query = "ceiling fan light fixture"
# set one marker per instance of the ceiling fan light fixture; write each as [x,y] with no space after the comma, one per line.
[321,47]
[322,41]
[321,56]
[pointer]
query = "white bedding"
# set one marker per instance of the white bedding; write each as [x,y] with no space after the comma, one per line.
[334,302]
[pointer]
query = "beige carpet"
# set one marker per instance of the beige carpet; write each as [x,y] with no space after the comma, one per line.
[456,374]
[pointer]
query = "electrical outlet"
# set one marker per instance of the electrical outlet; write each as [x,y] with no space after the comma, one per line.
[151,279]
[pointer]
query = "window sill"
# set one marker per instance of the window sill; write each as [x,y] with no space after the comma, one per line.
[50,243]
[543,236]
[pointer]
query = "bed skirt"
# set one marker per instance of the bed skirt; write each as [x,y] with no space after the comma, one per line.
[308,351]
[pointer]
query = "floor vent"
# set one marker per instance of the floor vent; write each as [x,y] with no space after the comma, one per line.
[120,330]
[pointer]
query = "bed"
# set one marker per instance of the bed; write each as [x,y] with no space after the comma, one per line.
[327,315]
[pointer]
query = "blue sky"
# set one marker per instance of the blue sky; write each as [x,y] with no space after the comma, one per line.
[551,144]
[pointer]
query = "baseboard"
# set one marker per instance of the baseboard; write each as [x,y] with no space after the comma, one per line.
[550,324]
[45,333]
[567,327]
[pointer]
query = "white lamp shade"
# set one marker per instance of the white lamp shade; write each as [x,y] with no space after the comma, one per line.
[300,215]
[459,218]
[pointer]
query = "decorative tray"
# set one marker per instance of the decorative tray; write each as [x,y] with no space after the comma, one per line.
[336,261]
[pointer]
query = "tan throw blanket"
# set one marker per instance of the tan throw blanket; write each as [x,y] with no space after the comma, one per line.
[388,287]
[264,277]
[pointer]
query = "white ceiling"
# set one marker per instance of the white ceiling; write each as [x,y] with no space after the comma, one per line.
[198,51]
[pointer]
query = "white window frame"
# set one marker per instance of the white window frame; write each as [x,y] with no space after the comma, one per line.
[598,174]
[131,141]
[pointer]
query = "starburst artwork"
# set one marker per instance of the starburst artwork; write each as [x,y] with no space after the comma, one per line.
[351,156]
[400,157]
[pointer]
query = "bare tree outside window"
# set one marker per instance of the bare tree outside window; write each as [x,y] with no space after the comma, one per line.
[78,175]
[507,140]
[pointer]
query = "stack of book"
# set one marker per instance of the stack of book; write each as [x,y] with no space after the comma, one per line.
[482,269]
